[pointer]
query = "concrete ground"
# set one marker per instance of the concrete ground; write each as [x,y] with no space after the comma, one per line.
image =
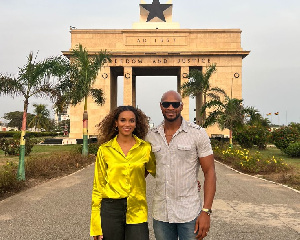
[244,208]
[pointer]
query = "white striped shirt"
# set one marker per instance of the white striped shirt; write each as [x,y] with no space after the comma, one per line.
[176,198]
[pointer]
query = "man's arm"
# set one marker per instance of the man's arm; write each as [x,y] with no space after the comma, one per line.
[203,221]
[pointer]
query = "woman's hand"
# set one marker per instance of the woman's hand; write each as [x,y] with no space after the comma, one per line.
[98,237]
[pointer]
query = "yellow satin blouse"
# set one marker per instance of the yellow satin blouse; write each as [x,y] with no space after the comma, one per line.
[119,176]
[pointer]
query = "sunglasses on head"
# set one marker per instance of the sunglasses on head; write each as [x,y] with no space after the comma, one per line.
[174,104]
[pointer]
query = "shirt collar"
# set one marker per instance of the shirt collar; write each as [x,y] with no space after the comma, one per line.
[114,143]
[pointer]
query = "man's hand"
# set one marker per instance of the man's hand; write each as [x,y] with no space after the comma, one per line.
[98,237]
[202,225]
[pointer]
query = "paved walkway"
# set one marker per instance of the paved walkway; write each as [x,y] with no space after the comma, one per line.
[244,208]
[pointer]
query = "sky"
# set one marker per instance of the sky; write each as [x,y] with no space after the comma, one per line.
[270,30]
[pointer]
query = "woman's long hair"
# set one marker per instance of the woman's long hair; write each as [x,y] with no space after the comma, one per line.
[107,127]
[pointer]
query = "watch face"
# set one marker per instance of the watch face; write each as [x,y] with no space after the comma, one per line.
[208,211]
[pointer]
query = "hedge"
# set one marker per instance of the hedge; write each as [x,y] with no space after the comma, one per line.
[12,134]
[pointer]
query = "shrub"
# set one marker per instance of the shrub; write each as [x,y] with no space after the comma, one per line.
[243,137]
[12,146]
[9,146]
[243,160]
[284,136]
[93,148]
[248,136]
[8,179]
[219,142]
[28,134]
[293,150]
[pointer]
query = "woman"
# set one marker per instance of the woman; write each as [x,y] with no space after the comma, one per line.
[119,207]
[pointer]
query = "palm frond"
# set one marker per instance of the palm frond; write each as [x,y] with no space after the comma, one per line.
[212,104]
[98,96]
[10,86]
[211,119]
[218,90]
[84,69]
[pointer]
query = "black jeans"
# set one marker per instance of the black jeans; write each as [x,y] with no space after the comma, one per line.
[113,222]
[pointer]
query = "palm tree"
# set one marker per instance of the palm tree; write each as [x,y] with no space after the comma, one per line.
[33,81]
[84,70]
[41,118]
[227,114]
[255,118]
[199,86]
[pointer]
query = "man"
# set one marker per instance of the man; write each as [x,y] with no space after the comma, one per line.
[180,149]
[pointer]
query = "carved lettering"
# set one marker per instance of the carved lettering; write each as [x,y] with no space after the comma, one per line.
[193,61]
[155,40]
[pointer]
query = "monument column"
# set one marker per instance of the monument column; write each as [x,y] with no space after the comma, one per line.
[182,78]
[113,90]
[129,87]
[134,90]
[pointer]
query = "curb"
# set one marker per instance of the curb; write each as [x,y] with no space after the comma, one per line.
[280,184]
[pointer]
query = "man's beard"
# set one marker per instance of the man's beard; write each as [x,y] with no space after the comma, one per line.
[171,119]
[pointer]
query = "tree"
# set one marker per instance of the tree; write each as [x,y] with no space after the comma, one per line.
[33,80]
[199,86]
[84,69]
[15,118]
[227,114]
[41,118]
[253,117]
[254,131]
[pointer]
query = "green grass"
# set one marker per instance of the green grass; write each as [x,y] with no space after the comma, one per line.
[45,150]
[289,176]
[44,162]
[52,148]
[273,151]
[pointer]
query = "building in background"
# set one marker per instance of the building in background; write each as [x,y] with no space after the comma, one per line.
[156,46]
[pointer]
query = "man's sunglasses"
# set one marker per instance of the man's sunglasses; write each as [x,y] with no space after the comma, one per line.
[174,104]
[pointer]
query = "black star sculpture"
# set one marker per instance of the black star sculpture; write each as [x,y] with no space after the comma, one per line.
[156,10]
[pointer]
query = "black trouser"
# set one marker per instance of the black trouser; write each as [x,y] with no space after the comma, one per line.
[113,222]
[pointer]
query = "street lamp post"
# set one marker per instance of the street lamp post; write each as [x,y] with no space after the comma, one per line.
[235,75]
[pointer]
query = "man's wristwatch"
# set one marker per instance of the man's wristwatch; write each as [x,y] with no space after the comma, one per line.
[208,211]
